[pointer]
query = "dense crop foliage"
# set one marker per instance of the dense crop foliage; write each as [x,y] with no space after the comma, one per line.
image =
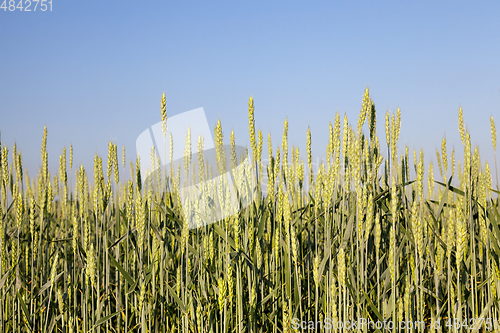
[364,239]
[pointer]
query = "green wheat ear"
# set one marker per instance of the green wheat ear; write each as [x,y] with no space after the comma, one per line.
[493,134]
[359,241]
[164,115]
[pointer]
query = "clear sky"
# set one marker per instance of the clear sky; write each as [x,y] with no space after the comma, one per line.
[95,70]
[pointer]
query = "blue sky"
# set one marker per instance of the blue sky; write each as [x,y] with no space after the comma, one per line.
[94,71]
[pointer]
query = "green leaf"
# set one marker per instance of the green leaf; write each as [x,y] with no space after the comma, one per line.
[122,271]
[262,224]
[323,262]
[122,238]
[453,189]
[444,198]
[104,319]
[494,224]
[494,243]
[287,273]
[48,284]
[407,234]
[373,307]
[265,299]
[2,282]
[157,233]
[53,322]
[386,192]
[222,233]
[348,232]
[190,247]
[25,310]
[484,313]
[174,218]
[177,299]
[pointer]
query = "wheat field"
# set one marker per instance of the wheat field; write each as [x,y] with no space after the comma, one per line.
[370,233]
